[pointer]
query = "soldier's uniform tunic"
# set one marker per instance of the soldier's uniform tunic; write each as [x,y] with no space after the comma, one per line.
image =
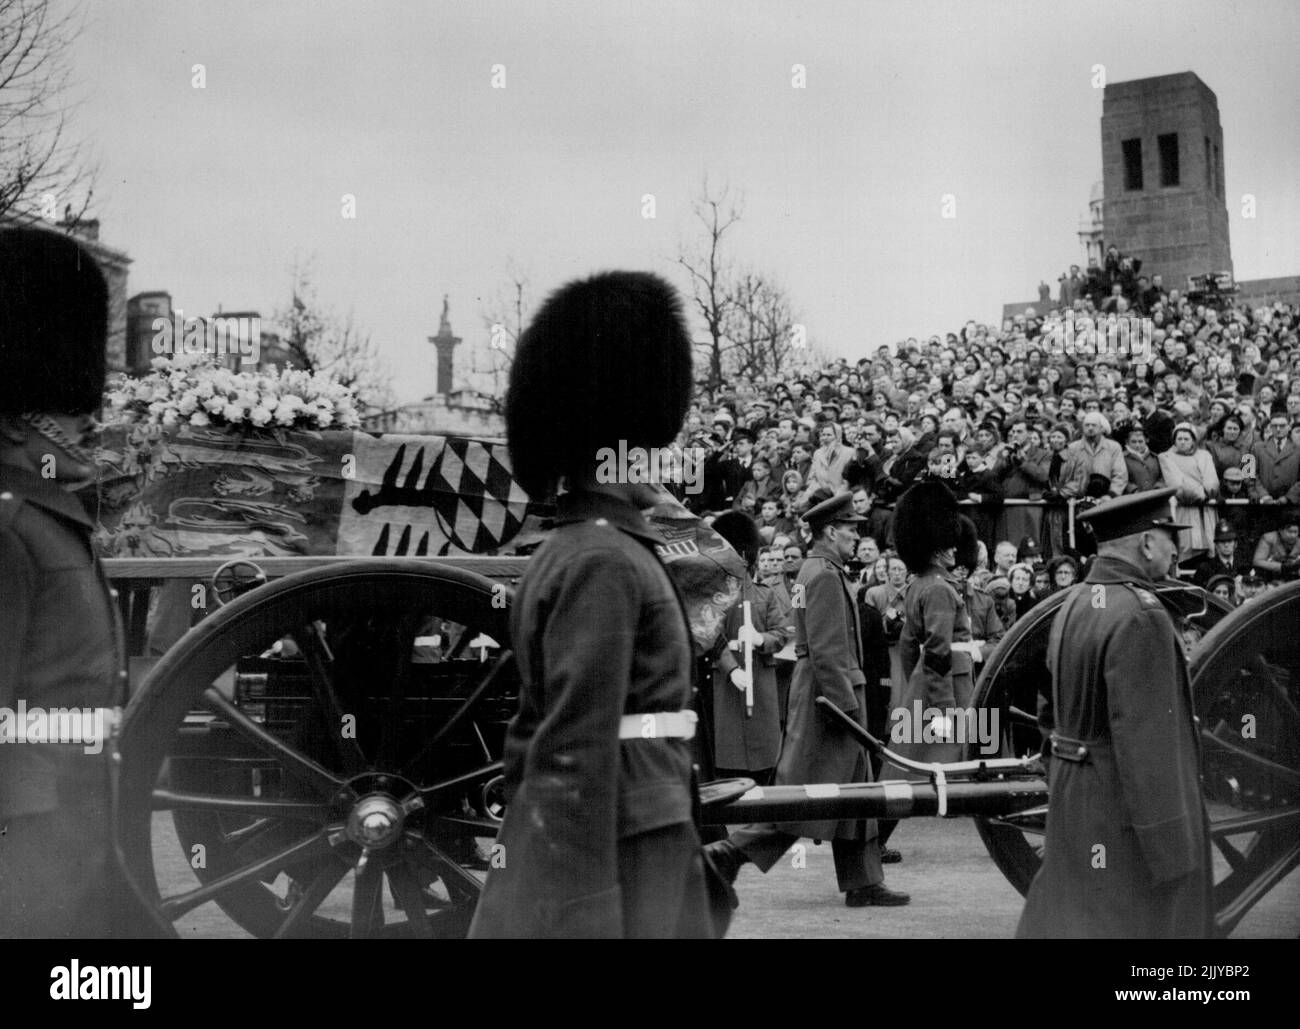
[938,676]
[61,646]
[598,839]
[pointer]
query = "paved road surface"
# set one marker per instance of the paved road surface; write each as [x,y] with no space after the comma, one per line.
[956,892]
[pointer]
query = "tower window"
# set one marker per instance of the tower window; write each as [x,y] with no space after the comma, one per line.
[1132,164]
[1168,144]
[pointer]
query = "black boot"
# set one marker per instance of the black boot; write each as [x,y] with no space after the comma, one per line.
[725,858]
[875,896]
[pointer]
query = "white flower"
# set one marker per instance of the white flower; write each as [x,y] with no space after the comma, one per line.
[259,416]
[200,419]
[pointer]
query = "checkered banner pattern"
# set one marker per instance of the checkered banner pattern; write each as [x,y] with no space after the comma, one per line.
[191,492]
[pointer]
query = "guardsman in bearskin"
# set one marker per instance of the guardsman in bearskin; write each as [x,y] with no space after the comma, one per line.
[599,838]
[747,742]
[61,644]
[1127,851]
[936,642]
[817,748]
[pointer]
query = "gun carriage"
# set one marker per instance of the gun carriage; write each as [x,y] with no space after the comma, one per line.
[346,720]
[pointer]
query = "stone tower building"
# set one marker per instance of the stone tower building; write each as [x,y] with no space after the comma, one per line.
[1162,161]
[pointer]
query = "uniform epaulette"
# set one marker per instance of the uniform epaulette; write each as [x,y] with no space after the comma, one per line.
[1145,596]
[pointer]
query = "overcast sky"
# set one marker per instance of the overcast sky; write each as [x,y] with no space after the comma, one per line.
[215,192]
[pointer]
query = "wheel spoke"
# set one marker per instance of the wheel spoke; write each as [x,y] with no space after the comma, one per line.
[394,673]
[1271,859]
[410,899]
[452,874]
[1032,821]
[313,846]
[1286,820]
[320,664]
[1019,716]
[470,826]
[300,810]
[312,897]
[1235,858]
[428,793]
[298,765]
[239,836]
[1210,742]
[367,902]
[413,766]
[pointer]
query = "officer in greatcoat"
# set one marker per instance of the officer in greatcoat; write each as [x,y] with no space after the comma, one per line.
[61,642]
[746,742]
[1127,851]
[817,749]
[599,838]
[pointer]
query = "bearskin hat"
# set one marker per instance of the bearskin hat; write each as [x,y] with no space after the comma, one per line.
[968,544]
[741,531]
[605,360]
[926,520]
[53,324]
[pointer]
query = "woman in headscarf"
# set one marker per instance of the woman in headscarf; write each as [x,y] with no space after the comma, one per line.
[1190,471]
[829,460]
[1224,444]
[792,489]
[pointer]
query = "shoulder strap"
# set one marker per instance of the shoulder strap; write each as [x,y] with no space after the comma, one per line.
[1054,644]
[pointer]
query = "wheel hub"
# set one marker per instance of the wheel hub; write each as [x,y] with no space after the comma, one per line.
[375,821]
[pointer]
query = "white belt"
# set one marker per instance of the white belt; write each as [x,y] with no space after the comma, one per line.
[971,647]
[662,725]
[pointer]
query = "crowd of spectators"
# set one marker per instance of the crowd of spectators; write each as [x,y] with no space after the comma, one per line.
[1027,431]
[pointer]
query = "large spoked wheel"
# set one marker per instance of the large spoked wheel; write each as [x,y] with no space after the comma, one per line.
[1246,685]
[326,747]
[1009,687]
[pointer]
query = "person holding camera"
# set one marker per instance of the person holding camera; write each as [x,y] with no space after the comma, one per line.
[1277,554]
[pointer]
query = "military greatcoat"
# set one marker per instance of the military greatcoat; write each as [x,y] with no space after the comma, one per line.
[749,742]
[828,649]
[1127,852]
[61,646]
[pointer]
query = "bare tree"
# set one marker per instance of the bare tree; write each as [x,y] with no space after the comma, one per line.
[316,340]
[505,319]
[760,327]
[709,270]
[42,171]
